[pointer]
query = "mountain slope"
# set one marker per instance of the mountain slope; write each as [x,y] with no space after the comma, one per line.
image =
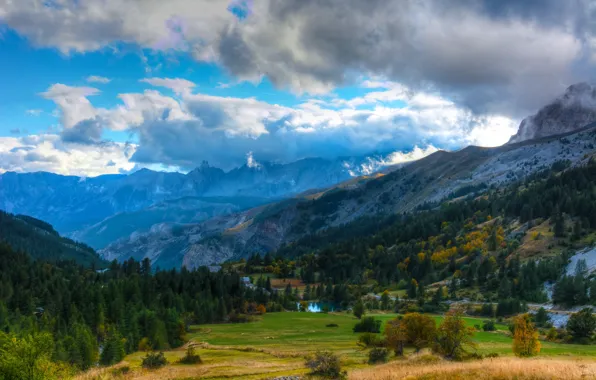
[178,211]
[430,179]
[575,109]
[41,241]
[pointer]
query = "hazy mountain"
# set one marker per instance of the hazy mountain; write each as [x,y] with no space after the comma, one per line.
[573,110]
[74,204]
[41,241]
[177,211]
[433,178]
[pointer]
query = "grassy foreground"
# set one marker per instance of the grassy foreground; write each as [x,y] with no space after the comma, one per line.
[276,344]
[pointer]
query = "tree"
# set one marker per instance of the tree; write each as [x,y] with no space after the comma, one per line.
[453,336]
[420,329]
[113,350]
[358,309]
[368,324]
[385,300]
[541,318]
[525,336]
[582,324]
[396,335]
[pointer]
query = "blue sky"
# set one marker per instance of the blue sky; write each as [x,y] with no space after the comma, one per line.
[109,86]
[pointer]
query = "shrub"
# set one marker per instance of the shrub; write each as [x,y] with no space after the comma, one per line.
[370,340]
[368,324]
[154,360]
[488,326]
[332,325]
[491,355]
[145,344]
[325,364]
[378,355]
[240,318]
[191,357]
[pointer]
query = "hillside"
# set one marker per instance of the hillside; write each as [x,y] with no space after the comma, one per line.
[431,179]
[177,211]
[41,241]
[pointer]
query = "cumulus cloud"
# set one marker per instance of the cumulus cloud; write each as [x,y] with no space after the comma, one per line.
[50,153]
[183,131]
[98,79]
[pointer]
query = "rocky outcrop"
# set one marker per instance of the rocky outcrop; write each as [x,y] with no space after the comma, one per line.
[574,110]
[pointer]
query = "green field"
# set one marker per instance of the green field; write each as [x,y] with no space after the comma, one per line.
[276,343]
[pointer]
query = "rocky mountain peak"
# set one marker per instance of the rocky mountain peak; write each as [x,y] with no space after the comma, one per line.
[573,110]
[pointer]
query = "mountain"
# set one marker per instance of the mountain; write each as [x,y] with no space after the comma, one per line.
[575,109]
[434,178]
[41,241]
[76,204]
[178,211]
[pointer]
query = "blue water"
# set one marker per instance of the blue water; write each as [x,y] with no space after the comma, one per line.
[317,307]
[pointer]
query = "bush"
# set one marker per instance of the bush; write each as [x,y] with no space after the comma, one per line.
[368,324]
[378,355]
[488,326]
[154,360]
[191,357]
[332,325]
[325,364]
[370,340]
[240,318]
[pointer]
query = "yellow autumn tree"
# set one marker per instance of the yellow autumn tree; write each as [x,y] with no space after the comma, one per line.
[525,336]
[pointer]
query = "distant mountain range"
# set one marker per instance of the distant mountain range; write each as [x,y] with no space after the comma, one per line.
[102,209]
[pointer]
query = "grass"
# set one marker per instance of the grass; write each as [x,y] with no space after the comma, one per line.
[501,368]
[276,343]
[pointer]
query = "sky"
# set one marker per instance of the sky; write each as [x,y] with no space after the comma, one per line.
[110,86]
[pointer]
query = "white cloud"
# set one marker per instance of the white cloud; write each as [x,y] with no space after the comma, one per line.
[98,79]
[50,153]
[178,85]
[182,131]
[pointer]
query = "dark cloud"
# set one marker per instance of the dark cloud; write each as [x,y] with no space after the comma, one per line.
[84,132]
[507,57]
[38,157]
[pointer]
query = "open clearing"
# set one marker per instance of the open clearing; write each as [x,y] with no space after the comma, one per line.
[276,343]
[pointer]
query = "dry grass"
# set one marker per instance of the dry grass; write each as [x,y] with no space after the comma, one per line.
[537,241]
[496,369]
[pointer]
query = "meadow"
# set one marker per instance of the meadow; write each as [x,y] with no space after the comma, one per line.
[275,345]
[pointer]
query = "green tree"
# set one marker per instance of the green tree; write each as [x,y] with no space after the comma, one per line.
[358,309]
[453,336]
[582,324]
